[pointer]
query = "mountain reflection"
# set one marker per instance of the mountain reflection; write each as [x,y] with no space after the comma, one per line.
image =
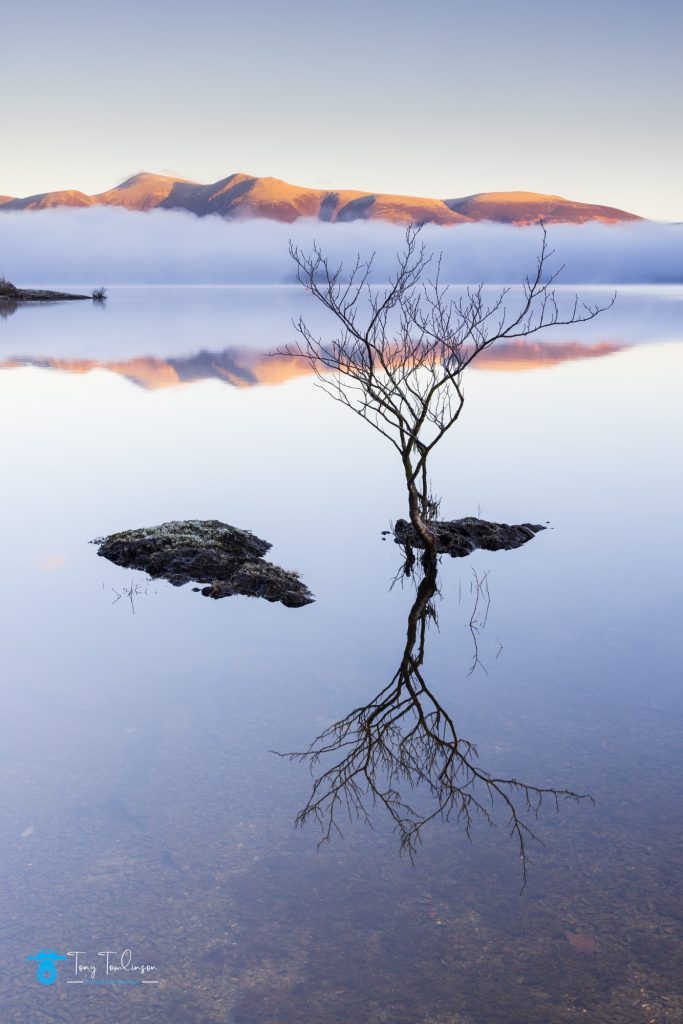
[242,367]
[404,740]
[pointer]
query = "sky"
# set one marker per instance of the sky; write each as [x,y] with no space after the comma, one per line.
[443,98]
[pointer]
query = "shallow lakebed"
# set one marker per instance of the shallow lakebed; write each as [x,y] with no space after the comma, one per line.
[143,806]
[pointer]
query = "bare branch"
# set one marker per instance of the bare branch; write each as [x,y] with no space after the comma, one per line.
[398,359]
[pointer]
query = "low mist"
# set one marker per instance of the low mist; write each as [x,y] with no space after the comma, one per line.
[114,246]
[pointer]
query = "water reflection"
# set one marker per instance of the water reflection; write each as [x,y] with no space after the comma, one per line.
[137,746]
[402,752]
[242,367]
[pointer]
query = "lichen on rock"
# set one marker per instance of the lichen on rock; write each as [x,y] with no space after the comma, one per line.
[229,560]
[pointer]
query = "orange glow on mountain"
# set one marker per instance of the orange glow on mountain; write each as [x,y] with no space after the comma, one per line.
[242,196]
[141,192]
[68,197]
[522,208]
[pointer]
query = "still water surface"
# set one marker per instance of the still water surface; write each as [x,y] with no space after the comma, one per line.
[143,806]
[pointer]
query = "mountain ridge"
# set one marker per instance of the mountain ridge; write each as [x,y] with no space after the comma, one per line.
[244,197]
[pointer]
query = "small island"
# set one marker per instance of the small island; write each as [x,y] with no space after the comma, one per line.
[9,293]
[228,560]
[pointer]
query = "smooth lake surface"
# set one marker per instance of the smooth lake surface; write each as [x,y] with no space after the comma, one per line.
[143,806]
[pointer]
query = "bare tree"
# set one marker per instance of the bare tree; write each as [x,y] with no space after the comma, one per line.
[406,739]
[401,350]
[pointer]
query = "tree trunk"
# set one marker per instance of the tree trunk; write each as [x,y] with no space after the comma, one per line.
[417,519]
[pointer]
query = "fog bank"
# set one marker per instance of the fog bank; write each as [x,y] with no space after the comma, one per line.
[113,246]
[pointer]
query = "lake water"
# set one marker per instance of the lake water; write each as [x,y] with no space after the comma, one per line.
[143,807]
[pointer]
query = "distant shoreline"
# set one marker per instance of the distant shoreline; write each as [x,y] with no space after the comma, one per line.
[32,295]
[13,296]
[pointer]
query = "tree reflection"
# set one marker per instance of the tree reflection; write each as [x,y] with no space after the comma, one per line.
[7,308]
[405,741]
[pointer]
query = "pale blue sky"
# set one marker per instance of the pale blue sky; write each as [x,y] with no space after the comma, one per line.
[582,98]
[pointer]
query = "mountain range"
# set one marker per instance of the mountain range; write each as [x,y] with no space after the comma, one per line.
[243,197]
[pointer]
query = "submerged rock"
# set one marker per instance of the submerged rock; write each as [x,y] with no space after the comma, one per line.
[460,537]
[229,560]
